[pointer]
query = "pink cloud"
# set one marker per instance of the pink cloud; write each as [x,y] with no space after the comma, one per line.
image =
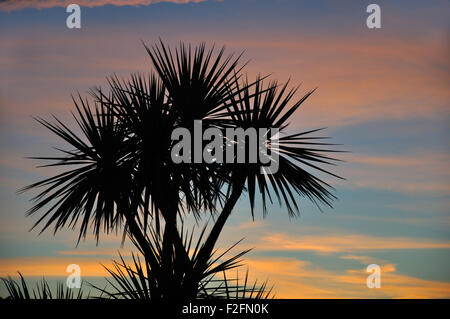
[358,80]
[12,5]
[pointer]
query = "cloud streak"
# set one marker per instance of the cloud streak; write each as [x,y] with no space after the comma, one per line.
[52,266]
[292,278]
[344,243]
[13,5]
[295,278]
[358,80]
[412,173]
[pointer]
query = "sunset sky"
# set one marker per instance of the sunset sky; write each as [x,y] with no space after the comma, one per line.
[382,93]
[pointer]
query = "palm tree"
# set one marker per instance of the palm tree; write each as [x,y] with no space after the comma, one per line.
[121,175]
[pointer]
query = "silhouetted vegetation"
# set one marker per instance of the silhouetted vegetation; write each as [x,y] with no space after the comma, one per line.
[119,174]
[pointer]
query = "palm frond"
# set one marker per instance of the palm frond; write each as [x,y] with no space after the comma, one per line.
[271,107]
[89,190]
[138,279]
[198,81]
[224,287]
[21,291]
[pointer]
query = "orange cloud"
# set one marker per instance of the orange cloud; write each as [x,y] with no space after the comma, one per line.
[395,285]
[294,278]
[291,278]
[51,266]
[113,253]
[11,5]
[344,243]
[364,260]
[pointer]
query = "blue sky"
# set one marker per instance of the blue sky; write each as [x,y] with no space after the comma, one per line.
[382,93]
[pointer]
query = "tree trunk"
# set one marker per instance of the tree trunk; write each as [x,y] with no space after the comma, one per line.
[213,236]
[145,247]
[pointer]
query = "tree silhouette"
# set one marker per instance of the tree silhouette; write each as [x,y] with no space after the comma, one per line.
[119,174]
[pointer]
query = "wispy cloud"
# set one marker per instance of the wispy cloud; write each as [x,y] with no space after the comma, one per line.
[11,5]
[345,243]
[361,78]
[292,278]
[425,219]
[415,172]
[358,80]
[52,266]
[112,253]
[295,278]
[365,260]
